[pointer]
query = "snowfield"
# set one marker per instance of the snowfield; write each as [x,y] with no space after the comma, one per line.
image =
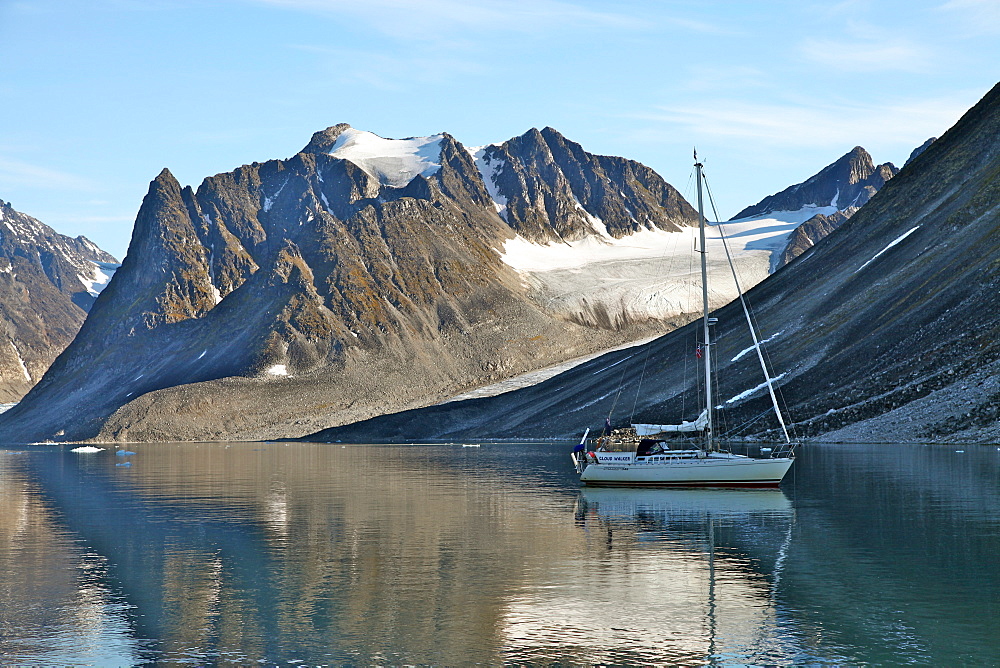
[103,271]
[651,274]
[600,280]
[394,162]
[489,168]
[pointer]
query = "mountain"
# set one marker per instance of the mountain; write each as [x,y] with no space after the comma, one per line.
[549,189]
[848,182]
[887,331]
[48,282]
[360,276]
[918,150]
[810,232]
[821,203]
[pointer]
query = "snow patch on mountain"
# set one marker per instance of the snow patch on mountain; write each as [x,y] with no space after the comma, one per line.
[765,233]
[890,245]
[770,232]
[747,393]
[489,166]
[526,256]
[651,273]
[394,162]
[740,355]
[596,224]
[103,271]
[20,361]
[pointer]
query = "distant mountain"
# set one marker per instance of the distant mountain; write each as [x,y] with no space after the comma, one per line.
[548,188]
[918,150]
[48,282]
[887,331]
[806,235]
[848,182]
[360,276]
[822,202]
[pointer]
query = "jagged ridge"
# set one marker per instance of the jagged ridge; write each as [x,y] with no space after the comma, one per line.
[48,281]
[373,292]
[888,330]
[848,182]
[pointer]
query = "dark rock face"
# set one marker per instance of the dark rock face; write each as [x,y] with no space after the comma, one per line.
[293,294]
[806,235]
[848,182]
[889,330]
[550,189]
[48,282]
[918,150]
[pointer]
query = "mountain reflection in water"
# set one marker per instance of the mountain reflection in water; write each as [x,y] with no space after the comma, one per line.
[324,554]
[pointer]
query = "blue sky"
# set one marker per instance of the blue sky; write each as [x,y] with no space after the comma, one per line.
[96,97]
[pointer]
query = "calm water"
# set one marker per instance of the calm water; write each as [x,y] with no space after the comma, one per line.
[323,554]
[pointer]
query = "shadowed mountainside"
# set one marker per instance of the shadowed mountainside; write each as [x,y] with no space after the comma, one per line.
[845,186]
[48,282]
[360,276]
[888,330]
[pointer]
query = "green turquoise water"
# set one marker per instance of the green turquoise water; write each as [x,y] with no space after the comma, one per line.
[319,554]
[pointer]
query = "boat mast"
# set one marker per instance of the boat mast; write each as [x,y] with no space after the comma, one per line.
[707,354]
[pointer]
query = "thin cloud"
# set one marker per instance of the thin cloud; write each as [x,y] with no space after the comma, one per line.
[702,27]
[726,77]
[813,125]
[404,18]
[981,17]
[122,218]
[19,173]
[389,72]
[866,55]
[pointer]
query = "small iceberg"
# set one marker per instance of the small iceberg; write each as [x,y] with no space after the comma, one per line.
[87,448]
[124,464]
[124,453]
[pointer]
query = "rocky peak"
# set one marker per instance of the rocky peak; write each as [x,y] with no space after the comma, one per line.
[48,282]
[166,269]
[849,181]
[549,189]
[873,336]
[324,140]
[831,196]
[918,150]
[365,271]
[76,266]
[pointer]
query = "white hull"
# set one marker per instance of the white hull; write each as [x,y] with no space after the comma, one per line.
[716,470]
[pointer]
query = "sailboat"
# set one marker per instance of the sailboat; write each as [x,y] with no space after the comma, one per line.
[654,463]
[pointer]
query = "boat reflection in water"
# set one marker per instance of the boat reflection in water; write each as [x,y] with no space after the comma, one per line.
[266,554]
[675,575]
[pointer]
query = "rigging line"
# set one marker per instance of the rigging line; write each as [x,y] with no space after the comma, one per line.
[686,310]
[684,377]
[751,314]
[638,389]
[770,364]
[746,312]
[740,427]
[720,411]
[621,385]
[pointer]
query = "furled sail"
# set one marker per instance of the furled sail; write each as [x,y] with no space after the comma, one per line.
[650,429]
